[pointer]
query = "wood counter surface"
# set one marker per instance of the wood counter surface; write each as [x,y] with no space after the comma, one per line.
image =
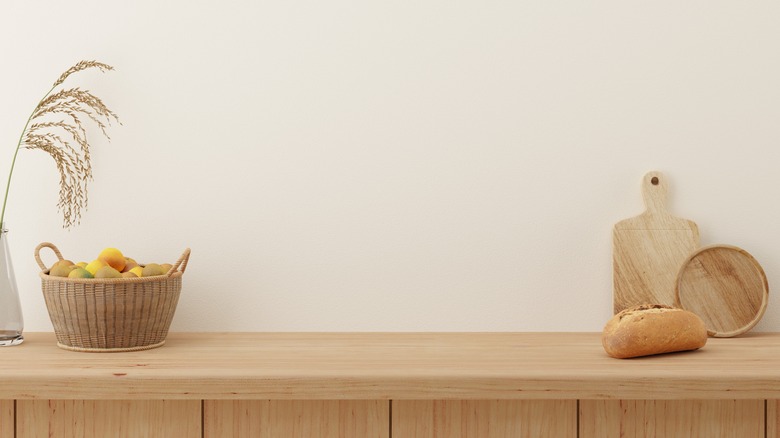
[385,366]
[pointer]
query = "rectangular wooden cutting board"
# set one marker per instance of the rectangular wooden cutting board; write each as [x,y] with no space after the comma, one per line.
[648,250]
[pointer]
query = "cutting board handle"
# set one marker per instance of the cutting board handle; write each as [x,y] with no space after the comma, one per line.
[654,191]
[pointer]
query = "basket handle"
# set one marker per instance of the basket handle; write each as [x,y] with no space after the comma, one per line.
[182,262]
[38,254]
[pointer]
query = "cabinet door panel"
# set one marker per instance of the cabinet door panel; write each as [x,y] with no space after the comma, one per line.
[671,418]
[773,419]
[108,418]
[484,418]
[296,419]
[7,419]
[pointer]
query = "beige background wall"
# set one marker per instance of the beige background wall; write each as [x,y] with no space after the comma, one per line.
[430,165]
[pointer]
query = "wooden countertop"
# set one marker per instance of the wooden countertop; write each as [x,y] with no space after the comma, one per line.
[390,366]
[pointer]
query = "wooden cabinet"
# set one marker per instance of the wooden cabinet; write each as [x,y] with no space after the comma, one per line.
[413,419]
[484,418]
[108,418]
[296,418]
[7,412]
[385,385]
[410,418]
[672,418]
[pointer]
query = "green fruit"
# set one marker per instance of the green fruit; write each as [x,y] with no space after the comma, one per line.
[65,262]
[80,273]
[107,272]
[152,269]
[61,269]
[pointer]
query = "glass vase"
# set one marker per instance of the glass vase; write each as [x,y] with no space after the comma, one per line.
[11,322]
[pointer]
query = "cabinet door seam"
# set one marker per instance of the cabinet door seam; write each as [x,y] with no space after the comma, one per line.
[577,434]
[390,418]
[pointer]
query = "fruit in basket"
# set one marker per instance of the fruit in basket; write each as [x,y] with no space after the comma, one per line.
[93,266]
[106,265]
[99,268]
[61,269]
[152,269]
[79,273]
[107,272]
[64,262]
[129,264]
[113,257]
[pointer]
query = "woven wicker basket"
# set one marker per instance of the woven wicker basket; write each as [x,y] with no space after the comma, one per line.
[111,314]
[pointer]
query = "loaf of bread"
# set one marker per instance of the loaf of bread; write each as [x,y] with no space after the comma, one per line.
[652,329]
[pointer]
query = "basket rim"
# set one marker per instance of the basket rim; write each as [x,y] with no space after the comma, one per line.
[176,270]
[45,276]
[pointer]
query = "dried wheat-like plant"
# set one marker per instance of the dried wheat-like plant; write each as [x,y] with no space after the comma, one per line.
[57,126]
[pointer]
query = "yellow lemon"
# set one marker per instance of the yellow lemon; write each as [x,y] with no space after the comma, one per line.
[113,257]
[93,266]
[138,271]
[80,273]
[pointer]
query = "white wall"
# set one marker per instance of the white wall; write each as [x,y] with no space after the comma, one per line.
[414,165]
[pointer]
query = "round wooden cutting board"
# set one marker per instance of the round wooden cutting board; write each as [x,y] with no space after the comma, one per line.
[725,286]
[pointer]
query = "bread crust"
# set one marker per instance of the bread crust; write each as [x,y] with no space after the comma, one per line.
[652,329]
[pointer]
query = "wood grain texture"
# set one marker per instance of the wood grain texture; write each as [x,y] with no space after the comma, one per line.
[648,250]
[7,413]
[485,418]
[725,286]
[296,419]
[103,418]
[672,418]
[772,418]
[384,366]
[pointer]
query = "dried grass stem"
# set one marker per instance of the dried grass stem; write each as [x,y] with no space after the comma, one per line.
[66,140]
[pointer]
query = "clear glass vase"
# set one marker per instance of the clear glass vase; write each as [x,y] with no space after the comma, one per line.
[11,322]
